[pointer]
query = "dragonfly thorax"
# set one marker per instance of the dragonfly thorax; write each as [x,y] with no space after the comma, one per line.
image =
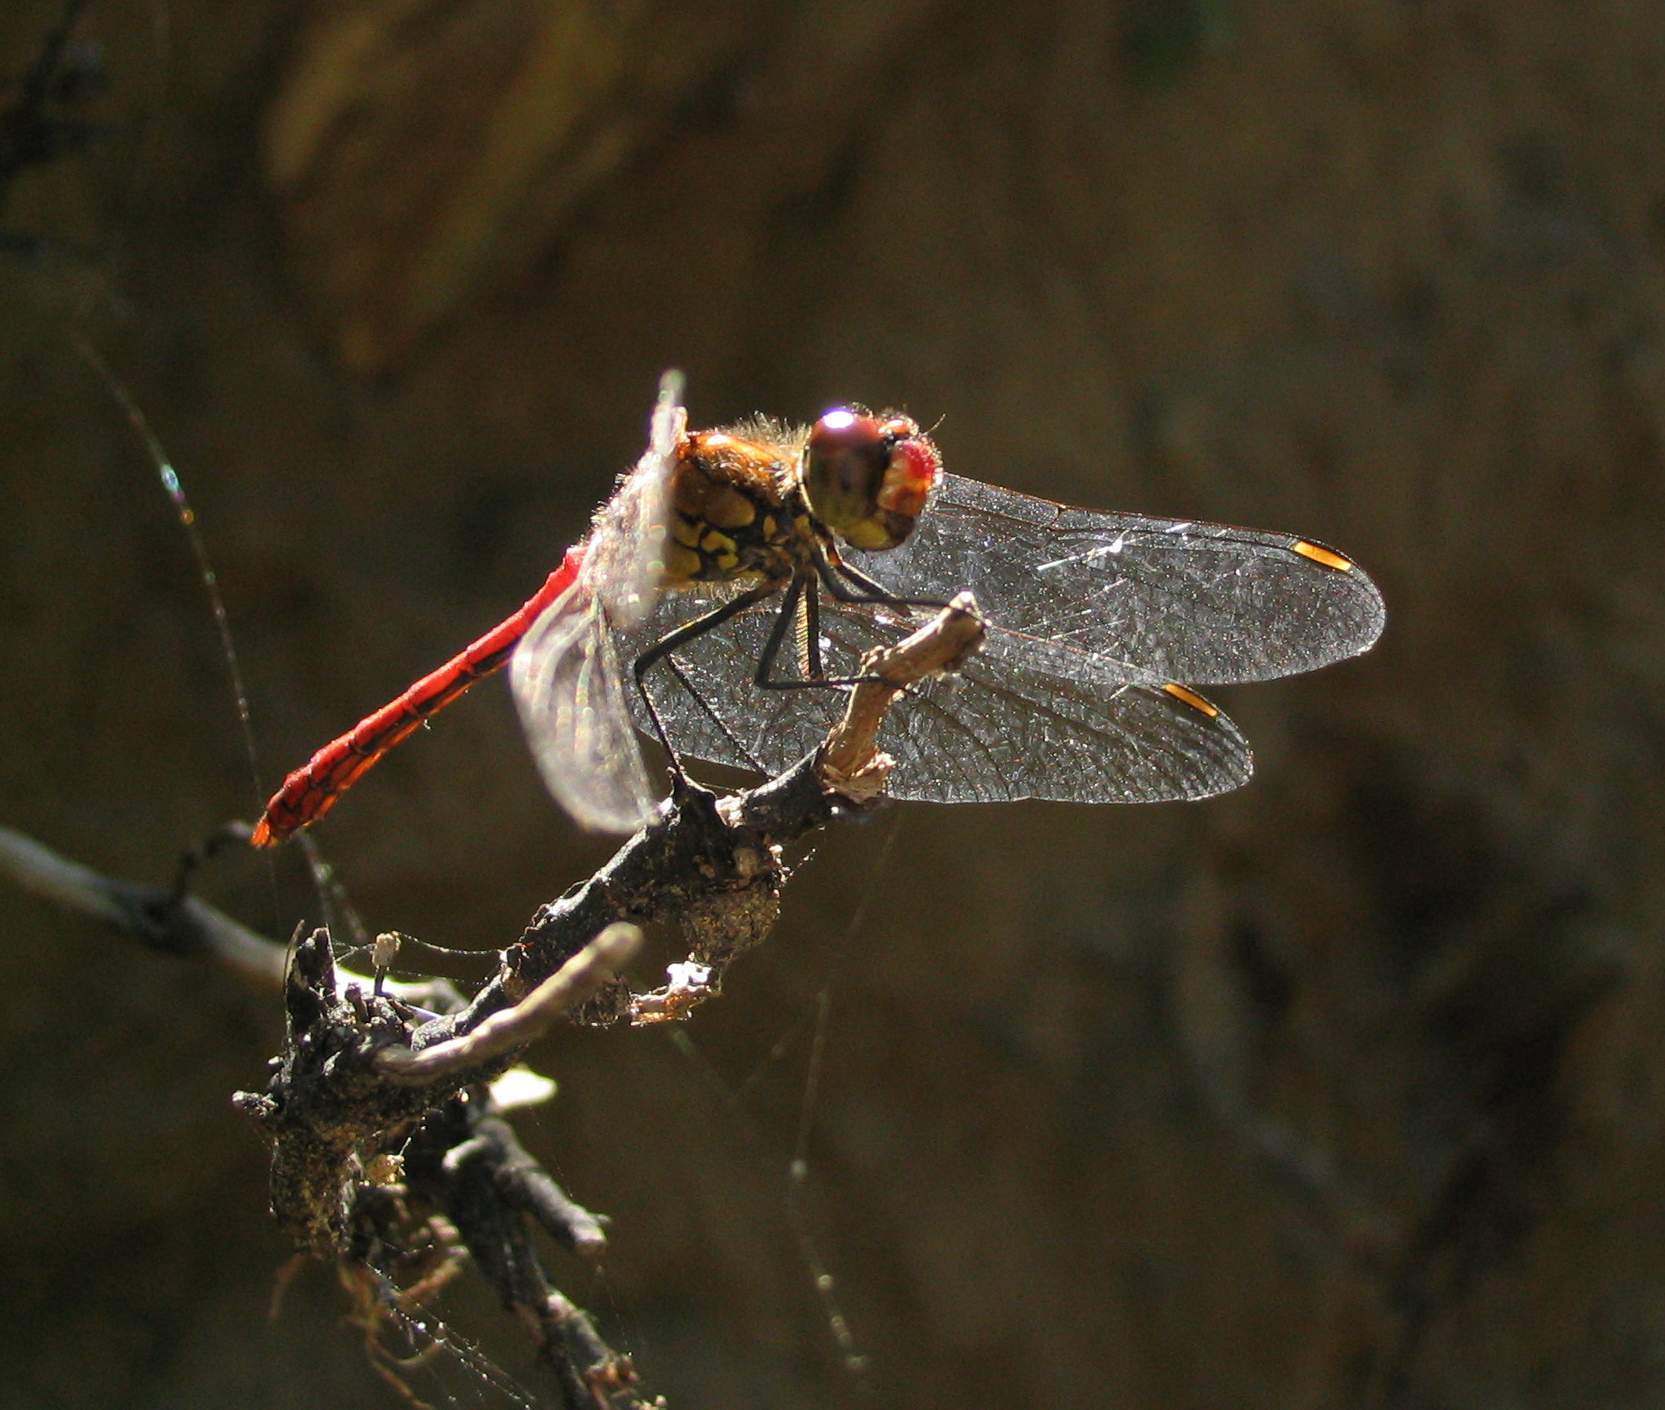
[736,511]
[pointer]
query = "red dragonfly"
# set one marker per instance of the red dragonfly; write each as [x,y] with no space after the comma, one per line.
[1100,624]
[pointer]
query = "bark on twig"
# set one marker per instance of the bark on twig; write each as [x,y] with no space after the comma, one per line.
[851,762]
[505,1031]
[152,914]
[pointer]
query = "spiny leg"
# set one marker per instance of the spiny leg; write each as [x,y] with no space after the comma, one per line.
[668,643]
[803,592]
[847,585]
[851,585]
[675,668]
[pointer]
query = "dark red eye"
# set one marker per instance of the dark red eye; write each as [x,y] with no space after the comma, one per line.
[844,433]
[867,478]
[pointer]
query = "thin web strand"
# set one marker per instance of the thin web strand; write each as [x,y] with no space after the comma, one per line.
[855,1363]
[175,491]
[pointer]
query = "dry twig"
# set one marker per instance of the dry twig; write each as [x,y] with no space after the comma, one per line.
[381,1116]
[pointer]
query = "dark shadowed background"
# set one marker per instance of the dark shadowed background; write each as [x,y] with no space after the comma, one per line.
[1344,1090]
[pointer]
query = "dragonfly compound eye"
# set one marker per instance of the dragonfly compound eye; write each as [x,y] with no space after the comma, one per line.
[866,478]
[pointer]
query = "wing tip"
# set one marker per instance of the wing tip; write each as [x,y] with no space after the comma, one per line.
[1372,610]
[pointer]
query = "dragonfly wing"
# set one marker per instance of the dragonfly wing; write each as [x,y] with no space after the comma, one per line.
[1014,723]
[1168,599]
[571,694]
[1024,719]
[706,693]
[1028,718]
[624,557]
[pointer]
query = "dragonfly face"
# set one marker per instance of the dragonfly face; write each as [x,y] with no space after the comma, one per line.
[867,478]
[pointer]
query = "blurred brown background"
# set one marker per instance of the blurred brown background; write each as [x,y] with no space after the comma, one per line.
[1345,1090]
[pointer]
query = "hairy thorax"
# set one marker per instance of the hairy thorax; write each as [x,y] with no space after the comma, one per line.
[736,511]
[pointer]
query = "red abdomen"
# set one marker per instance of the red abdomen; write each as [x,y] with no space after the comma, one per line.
[311,790]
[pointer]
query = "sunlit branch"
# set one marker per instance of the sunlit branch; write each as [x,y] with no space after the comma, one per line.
[381,1114]
[161,918]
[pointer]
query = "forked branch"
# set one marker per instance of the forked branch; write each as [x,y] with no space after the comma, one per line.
[386,1134]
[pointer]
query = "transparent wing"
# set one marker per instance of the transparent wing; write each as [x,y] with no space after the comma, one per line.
[570,691]
[566,675]
[1162,599]
[1009,727]
[624,556]
[1092,617]
[1024,719]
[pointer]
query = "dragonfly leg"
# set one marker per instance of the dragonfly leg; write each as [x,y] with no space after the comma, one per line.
[675,668]
[848,584]
[673,639]
[851,585]
[804,590]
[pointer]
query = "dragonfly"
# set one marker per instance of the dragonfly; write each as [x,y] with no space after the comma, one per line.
[755,566]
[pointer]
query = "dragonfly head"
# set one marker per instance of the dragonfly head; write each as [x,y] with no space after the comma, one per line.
[867,477]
